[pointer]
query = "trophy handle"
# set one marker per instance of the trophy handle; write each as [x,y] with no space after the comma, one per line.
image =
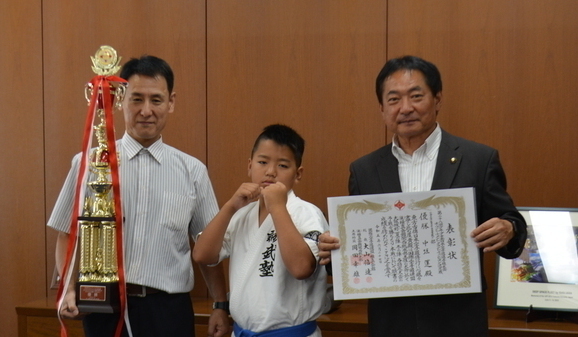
[88,92]
[119,92]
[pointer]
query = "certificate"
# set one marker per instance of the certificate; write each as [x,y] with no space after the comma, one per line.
[404,244]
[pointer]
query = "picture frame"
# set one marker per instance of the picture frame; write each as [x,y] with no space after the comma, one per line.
[545,276]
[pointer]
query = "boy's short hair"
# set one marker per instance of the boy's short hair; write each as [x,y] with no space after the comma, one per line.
[150,66]
[283,135]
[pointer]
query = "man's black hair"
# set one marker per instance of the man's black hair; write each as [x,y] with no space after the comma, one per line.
[150,66]
[433,78]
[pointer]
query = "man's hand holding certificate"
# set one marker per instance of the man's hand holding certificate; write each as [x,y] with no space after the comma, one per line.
[404,244]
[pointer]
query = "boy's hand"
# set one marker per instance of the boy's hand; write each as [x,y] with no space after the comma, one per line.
[275,195]
[245,194]
[327,243]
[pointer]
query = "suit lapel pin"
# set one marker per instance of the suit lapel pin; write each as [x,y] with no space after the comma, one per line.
[453,160]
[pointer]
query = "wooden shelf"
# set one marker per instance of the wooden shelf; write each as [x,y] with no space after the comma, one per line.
[38,319]
[515,321]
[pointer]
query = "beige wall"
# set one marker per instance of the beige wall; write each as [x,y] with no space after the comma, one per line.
[508,68]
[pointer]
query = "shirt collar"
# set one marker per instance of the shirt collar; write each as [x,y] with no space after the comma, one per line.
[429,148]
[132,147]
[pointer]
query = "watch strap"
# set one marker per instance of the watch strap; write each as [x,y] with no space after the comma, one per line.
[221,305]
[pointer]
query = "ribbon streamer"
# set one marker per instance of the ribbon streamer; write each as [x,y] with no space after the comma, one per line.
[100,96]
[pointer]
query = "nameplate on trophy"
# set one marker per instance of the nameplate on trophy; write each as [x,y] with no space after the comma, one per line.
[92,293]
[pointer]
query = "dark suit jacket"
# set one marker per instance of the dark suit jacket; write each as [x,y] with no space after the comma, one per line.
[477,166]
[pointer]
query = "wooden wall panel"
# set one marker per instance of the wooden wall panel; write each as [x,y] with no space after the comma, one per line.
[509,76]
[21,172]
[310,65]
[508,70]
[74,30]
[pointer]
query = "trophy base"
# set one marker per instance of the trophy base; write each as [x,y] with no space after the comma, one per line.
[98,297]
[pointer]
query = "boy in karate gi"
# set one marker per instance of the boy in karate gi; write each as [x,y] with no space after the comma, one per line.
[270,235]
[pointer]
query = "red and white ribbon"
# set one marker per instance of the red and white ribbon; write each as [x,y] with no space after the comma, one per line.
[100,99]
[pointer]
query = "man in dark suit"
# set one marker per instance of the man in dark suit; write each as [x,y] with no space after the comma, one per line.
[423,157]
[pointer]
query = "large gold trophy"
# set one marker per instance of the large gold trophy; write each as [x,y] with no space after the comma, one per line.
[97,287]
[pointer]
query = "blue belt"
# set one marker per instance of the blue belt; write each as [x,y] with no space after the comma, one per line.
[301,330]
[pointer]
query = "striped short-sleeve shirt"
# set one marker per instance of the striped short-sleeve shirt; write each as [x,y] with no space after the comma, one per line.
[167,198]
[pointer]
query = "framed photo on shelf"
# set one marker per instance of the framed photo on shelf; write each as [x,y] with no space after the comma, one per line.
[545,276]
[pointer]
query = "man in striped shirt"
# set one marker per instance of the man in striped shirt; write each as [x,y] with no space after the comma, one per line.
[167,199]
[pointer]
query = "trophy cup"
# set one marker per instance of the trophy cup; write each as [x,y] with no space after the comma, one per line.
[97,287]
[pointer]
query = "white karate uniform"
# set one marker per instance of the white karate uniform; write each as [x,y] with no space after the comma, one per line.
[263,294]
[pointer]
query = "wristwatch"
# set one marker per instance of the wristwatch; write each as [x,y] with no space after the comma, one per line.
[221,305]
[513,222]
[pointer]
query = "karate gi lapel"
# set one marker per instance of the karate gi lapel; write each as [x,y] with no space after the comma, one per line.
[257,243]
[246,264]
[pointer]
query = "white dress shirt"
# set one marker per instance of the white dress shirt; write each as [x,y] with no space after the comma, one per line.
[416,171]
